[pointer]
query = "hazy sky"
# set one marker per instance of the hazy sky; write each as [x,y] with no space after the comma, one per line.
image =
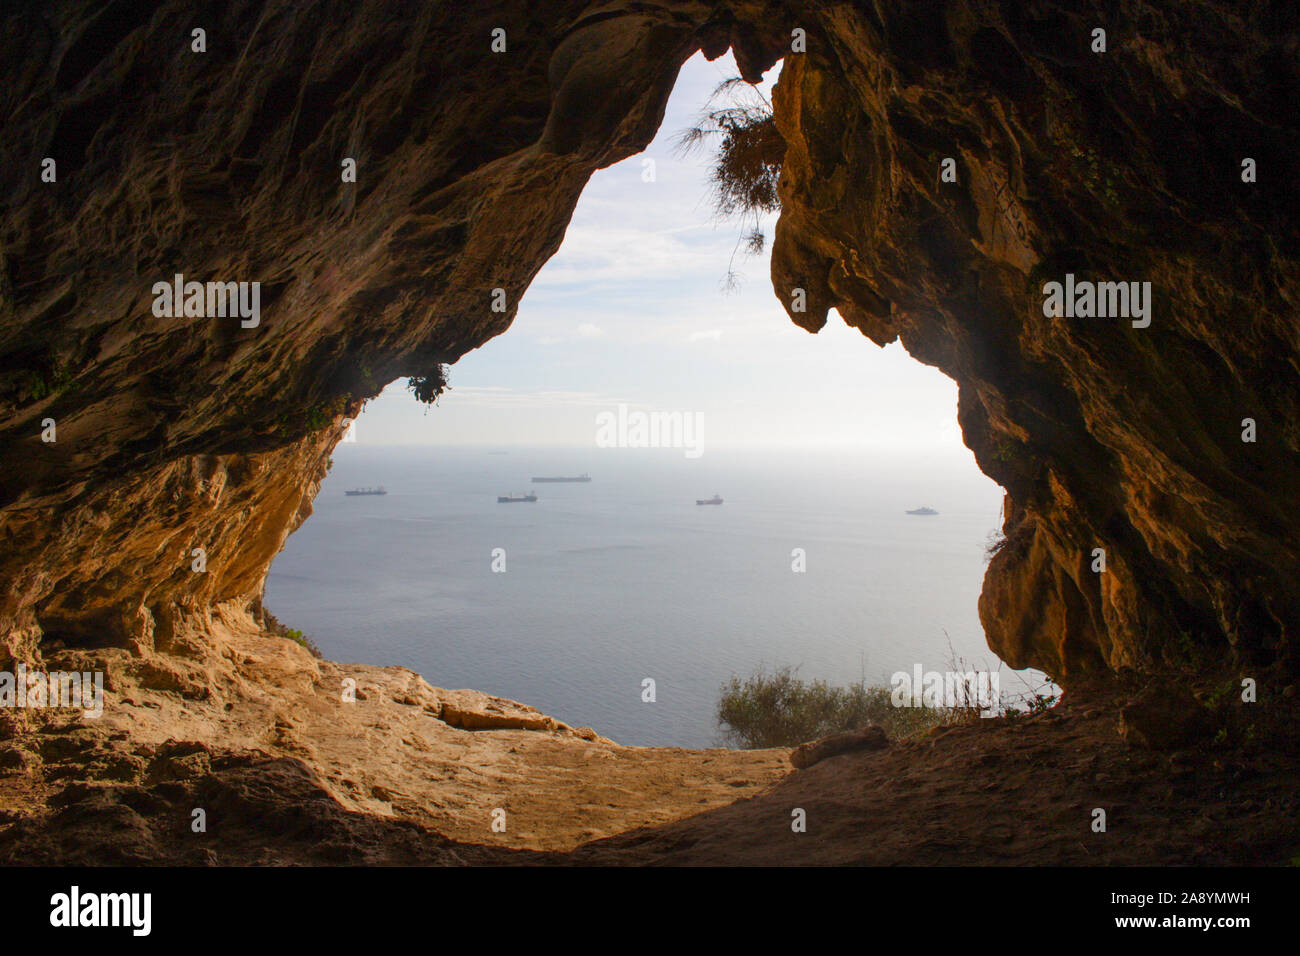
[632,310]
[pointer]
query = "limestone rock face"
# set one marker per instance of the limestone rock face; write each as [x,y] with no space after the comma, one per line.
[227,165]
[182,433]
[1116,166]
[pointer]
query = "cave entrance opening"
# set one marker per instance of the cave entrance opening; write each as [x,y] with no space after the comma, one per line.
[622,601]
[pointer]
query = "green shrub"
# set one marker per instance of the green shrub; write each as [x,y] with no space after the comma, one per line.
[782,710]
[746,167]
[273,626]
[428,388]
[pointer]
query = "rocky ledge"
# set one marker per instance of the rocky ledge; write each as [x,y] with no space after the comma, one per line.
[272,743]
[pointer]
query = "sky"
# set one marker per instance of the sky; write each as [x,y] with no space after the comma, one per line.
[633,310]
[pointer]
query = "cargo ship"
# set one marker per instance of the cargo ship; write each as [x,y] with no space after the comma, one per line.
[506,499]
[582,477]
[715,500]
[923,511]
[366,491]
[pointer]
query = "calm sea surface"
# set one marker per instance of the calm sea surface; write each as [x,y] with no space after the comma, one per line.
[626,578]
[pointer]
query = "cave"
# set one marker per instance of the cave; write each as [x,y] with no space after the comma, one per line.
[944,164]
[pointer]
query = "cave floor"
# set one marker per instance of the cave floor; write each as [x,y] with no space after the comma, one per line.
[253,732]
[1005,792]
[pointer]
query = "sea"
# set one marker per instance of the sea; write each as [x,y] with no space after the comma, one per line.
[573,602]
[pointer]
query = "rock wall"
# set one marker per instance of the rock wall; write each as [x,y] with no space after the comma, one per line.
[190,432]
[1123,165]
[225,165]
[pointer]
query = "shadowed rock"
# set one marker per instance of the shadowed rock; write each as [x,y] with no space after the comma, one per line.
[1164,719]
[867,738]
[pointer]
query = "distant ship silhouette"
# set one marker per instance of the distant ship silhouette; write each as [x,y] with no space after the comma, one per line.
[923,511]
[366,491]
[715,500]
[506,499]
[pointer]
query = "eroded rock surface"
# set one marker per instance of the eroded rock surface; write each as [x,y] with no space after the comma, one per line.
[262,737]
[1122,166]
